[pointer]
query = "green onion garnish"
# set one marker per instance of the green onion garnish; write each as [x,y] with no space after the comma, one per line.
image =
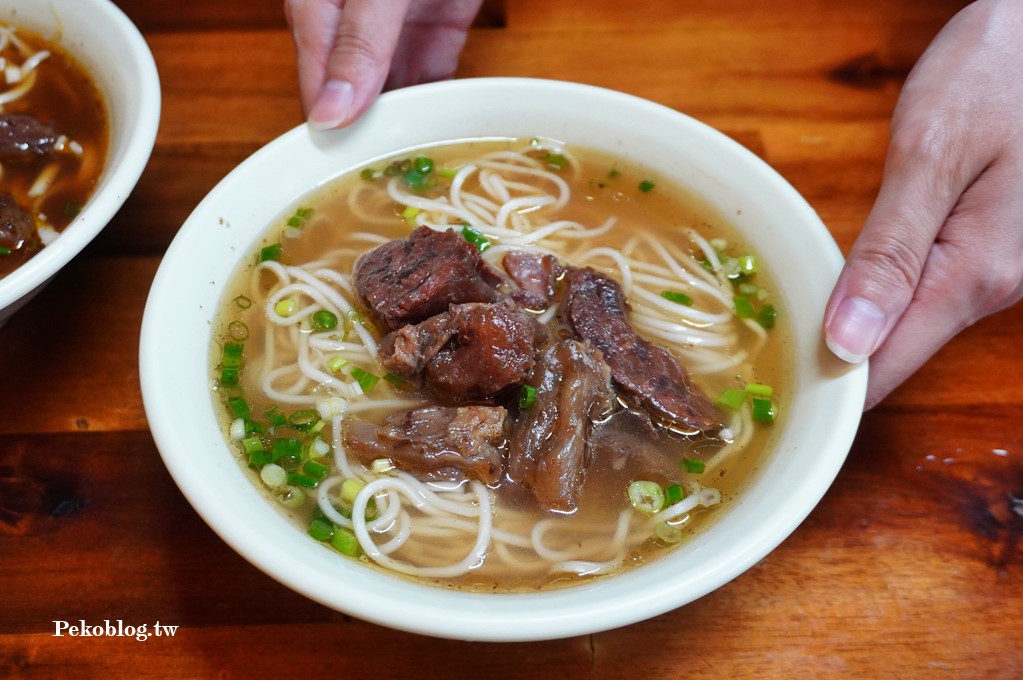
[297,479]
[285,307]
[335,364]
[556,161]
[269,253]
[321,529]
[759,389]
[365,379]
[285,447]
[693,466]
[646,186]
[229,376]
[395,380]
[368,174]
[315,469]
[476,238]
[243,302]
[239,408]
[4,251]
[275,417]
[409,214]
[767,316]
[251,444]
[305,419]
[231,357]
[763,410]
[238,330]
[300,217]
[350,488]
[678,298]
[646,497]
[259,458]
[345,542]
[747,264]
[324,320]
[743,307]
[731,398]
[673,494]
[527,396]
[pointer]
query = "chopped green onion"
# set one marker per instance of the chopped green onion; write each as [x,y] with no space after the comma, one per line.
[673,494]
[239,408]
[646,186]
[747,289]
[731,398]
[238,330]
[448,173]
[767,316]
[350,488]
[243,302]
[304,420]
[409,214]
[677,298]
[381,466]
[324,320]
[759,389]
[693,466]
[365,379]
[285,307]
[331,406]
[668,533]
[273,475]
[743,307]
[747,264]
[321,529]
[229,376]
[252,427]
[4,251]
[335,364]
[395,380]
[556,161]
[345,542]
[297,479]
[72,208]
[285,447]
[368,174]
[259,458]
[270,253]
[527,396]
[316,470]
[646,497]
[475,237]
[300,217]
[232,355]
[275,417]
[290,496]
[251,444]
[763,410]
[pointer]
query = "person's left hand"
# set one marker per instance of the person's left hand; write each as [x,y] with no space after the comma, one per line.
[350,50]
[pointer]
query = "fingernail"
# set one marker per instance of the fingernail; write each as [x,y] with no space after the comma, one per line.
[855,329]
[332,105]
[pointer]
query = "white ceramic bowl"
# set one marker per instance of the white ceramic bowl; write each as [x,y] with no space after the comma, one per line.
[109,46]
[781,227]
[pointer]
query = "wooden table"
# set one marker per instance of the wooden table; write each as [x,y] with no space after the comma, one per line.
[910,566]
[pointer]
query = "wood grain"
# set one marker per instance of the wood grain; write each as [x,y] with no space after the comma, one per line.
[910,566]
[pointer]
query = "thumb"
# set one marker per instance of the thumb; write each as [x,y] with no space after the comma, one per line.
[358,61]
[886,262]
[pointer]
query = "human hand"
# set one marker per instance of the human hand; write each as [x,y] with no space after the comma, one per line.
[943,245]
[350,50]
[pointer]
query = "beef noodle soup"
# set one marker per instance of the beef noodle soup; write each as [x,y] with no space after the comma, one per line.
[501,365]
[53,143]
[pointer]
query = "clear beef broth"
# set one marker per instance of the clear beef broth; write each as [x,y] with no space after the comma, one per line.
[623,447]
[47,187]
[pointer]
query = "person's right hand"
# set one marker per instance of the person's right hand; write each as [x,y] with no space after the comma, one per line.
[350,50]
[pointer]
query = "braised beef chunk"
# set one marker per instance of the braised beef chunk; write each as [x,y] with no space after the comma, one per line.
[441,441]
[24,137]
[16,226]
[409,280]
[471,351]
[548,447]
[629,442]
[647,374]
[536,276]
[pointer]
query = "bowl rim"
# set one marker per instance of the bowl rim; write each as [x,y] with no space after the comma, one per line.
[426,609]
[118,179]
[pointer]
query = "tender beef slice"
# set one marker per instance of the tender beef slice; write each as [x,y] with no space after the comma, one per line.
[408,350]
[548,447]
[441,441]
[409,280]
[536,277]
[630,443]
[647,374]
[16,226]
[24,138]
[493,346]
